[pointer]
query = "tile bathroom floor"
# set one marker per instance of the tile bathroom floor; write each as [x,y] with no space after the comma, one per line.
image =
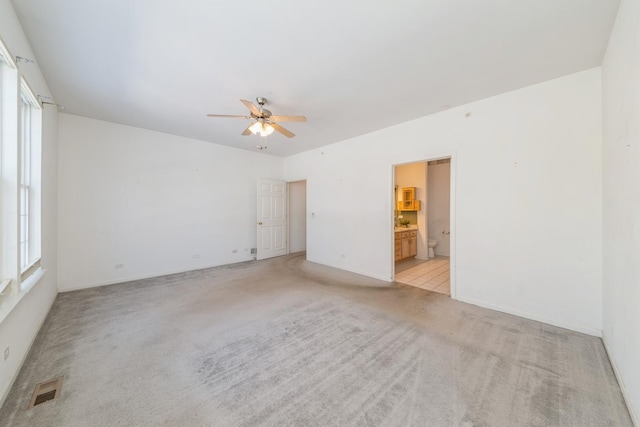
[432,275]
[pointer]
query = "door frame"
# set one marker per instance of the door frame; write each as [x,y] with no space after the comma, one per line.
[289,214]
[452,214]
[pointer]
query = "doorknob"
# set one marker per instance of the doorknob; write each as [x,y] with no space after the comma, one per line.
[260,223]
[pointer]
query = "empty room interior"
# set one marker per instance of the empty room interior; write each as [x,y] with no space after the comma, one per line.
[330,213]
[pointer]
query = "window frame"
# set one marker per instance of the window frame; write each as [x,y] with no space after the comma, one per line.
[8,68]
[30,146]
[16,281]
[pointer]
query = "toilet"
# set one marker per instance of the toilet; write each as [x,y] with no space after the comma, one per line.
[431,244]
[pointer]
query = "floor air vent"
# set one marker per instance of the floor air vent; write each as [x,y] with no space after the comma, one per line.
[46,391]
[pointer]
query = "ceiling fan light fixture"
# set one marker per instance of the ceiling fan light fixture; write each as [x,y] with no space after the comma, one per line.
[266,130]
[255,128]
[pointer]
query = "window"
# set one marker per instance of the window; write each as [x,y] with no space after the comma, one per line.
[30,123]
[25,178]
[8,123]
[20,182]
[4,283]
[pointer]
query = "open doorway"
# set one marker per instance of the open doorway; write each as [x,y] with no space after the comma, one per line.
[297,216]
[423,225]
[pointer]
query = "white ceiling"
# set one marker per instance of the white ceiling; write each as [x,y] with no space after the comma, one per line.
[351,67]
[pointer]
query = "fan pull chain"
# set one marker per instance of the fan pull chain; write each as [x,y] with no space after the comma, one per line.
[262,145]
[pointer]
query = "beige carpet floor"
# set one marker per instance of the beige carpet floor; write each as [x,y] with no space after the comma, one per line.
[285,342]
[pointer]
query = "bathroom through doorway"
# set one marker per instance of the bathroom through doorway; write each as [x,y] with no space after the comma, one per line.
[423,226]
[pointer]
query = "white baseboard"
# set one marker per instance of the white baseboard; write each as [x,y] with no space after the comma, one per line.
[5,394]
[350,270]
[632,411]
[144,276]
[560,324]
[565,325]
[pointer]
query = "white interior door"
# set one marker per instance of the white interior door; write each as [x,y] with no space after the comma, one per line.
[272,218]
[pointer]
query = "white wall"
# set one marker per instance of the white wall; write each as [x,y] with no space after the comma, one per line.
[136,203]
[20,326]
[297,216]
[527,192]
[415,175]
[438,209]
[621,131]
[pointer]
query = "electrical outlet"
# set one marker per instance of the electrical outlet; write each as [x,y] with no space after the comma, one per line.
[6,353]
[118,266]
[235,251]
[254,251]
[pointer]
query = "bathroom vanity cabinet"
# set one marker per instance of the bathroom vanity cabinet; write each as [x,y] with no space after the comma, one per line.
[406,244]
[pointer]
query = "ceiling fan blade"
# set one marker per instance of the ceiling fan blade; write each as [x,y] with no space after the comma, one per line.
[252,107]
[289,118]
[247,131]
[282,130]
[228,116]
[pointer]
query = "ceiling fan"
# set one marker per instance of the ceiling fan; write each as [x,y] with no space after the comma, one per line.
[265,122]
